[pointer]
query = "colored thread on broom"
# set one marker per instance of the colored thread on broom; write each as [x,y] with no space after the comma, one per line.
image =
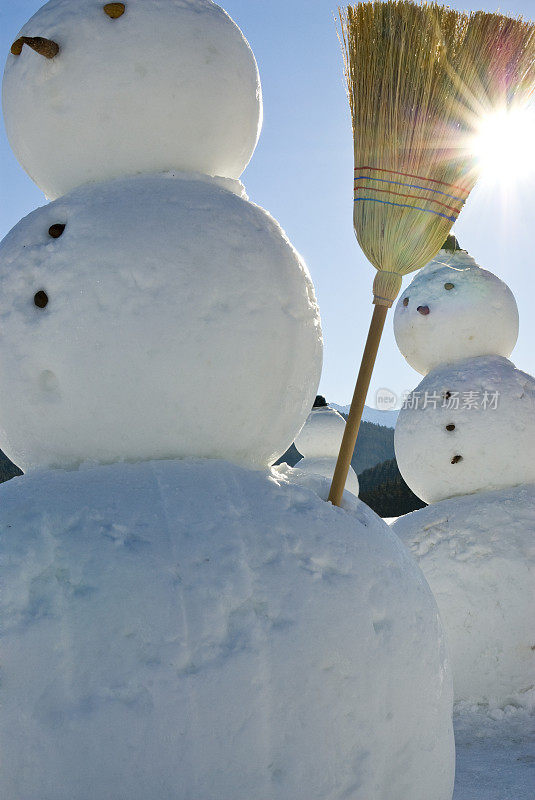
[408,175]
[403,205]
[410,186]
[410,196]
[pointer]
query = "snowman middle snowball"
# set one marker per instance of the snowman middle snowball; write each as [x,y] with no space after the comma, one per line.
[179,321]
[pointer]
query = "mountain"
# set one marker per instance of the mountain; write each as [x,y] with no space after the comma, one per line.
[383,489]
[386,418]
[375,444]
[7,469]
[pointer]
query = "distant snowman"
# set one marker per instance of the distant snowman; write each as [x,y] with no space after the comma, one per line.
[94,91]
[465,443]
[454,309]
[319,442]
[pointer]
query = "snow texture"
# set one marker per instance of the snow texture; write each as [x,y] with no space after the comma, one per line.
[171,84]
[495,753]
[477,553]
[476,316]
[180,321]
[180,630]
[488,448]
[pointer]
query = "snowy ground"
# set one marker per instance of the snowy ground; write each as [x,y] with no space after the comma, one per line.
[495,754]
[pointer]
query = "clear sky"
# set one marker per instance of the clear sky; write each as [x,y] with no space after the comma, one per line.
[302,172]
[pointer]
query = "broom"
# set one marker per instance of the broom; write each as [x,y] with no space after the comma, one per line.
[420,78]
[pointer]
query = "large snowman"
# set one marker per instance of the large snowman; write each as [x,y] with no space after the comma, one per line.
[181,621]
[465,443]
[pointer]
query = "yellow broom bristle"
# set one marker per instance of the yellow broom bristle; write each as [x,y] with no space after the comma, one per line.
[419,78]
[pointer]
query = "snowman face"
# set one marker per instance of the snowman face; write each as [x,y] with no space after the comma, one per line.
[452,310]
[98,90]
[137,321]
[468,428]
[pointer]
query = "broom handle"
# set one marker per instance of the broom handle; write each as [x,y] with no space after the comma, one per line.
[357,404]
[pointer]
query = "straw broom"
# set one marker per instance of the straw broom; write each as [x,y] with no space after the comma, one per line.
[419,79]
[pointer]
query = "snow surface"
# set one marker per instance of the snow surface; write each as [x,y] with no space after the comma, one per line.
[171,84]
[326,467]
[495,753]
[180,322]
[478,316]
[192,629]
[496,445]
[478,555]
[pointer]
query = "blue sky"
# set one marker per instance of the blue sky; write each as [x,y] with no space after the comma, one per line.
[302,173]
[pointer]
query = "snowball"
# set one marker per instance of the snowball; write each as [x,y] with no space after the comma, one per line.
[470,312]
[319,442]
[472,430]
[180,321]
[170,84]
[477,554]
[191,629]
[321,435]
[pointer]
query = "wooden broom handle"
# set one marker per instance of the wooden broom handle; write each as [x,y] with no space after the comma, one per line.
[357,404]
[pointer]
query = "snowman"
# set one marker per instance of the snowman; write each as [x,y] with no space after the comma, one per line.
[319,443]
[181,620]
[464,443]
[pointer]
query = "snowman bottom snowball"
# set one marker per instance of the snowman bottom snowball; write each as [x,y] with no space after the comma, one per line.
[192,629]
[154,317]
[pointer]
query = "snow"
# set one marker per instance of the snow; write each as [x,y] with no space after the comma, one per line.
[495,753]
[180,321]
[477,553]
[193,629]
[319,442]
[171,84]
[495,444]
[477,316]
[321,434]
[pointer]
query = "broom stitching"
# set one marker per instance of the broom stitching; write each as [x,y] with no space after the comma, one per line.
[408,175]
[404,205]
[410,196]
[411,186]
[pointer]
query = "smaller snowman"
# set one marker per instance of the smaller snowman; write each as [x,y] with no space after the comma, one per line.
[464,443]
[319,443]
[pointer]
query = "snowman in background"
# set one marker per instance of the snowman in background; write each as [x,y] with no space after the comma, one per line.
[319,443]
[175,613]
[465,443]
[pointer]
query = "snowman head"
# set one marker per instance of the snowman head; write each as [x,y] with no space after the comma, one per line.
[96,90]
[452,310]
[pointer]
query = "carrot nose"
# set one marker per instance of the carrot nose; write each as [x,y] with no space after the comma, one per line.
[423,310]
[45,47]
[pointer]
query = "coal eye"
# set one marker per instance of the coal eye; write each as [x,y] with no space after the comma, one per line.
[40,299]
[456,459]
[405,301]
[56,230]
[450,427]
[114,10]
[449,286]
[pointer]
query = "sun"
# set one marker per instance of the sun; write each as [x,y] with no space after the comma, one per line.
[504,146]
